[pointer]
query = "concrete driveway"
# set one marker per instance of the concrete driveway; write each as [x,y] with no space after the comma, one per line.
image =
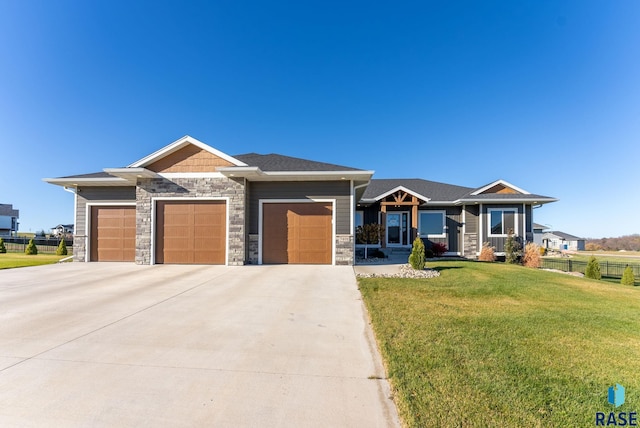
[97,344]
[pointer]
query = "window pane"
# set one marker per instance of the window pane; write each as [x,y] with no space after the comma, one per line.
[359,218]
[496,223]
[431,224]
[510,221]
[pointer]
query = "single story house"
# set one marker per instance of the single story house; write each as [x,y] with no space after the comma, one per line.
[556,240]
[191,203]
[8,220]
[62,230]
[538,231]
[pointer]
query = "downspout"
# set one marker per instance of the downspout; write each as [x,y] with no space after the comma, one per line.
[353,206]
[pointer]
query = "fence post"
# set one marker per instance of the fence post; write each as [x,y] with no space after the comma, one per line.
[570,266]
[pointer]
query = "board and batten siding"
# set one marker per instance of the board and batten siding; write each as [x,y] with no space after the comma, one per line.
[454,225]
[95,195]
[498,242]
[338,190]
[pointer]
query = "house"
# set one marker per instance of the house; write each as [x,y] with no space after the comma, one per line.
[461,218]
[557,240]
[191,203]
[8,220]
[538,231]
[62,230]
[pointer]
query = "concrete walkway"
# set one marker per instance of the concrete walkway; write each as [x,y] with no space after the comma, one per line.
[103,345]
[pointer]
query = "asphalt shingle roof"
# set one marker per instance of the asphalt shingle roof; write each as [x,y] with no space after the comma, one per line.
[565,236]
[91,175]
[431,189]
[275,162]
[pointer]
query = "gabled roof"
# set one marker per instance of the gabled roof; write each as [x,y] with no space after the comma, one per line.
[500,182]
[540,226]
[424,189]
[177,145]
[564,236]
[276,162]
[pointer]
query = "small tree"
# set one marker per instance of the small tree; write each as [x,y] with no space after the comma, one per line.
[369,234]
[487,254]
[31,249]
[531,256]
[416,259]
[628,278]
[511,249]
[593,269]
[62,248]
[3,249]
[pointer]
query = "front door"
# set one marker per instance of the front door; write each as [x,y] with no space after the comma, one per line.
[397,228]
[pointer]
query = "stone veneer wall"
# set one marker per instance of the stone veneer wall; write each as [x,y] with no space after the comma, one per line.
[470,245]
[187,188]
[344,250]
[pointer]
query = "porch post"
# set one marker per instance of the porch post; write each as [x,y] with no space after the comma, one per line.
[414,218]
[383,221]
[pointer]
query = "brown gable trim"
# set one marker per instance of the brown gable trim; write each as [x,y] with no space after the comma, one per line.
[501,189]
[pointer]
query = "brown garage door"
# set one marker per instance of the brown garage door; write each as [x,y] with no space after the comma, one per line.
[113,234]
[297,233]
[191,232]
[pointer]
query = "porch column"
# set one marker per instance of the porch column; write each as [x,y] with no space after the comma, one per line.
[383,221]
[414,218]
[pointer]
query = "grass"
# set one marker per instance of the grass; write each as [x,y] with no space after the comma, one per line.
[630,257]
[15,260]
[501,345]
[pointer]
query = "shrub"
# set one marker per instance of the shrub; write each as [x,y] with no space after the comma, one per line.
[531,256]
[487,254]
[438,249]
[628,278]
[3,249]
[511,249]
[543,251]
[62,248]
[593,269]
[31,249]
[416,259]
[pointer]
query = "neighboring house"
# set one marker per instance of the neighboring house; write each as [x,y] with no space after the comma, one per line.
[538,231]
[557,240]
[62,230]
[8,220]
[191,203]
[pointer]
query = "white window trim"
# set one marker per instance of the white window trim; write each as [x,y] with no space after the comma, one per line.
[515,222]
[444,223]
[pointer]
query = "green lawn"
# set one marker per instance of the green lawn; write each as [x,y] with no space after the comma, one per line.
[14,260]
[501,345]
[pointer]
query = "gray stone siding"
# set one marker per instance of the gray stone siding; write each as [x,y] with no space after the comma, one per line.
[344,250]
[232,189]
[470,245]
[253,249]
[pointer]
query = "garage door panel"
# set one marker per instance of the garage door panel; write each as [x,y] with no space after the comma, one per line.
[113,233]
[191,232]
[297,233]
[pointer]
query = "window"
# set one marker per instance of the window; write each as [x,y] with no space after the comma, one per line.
[432,224]
[503,220]
[359,219]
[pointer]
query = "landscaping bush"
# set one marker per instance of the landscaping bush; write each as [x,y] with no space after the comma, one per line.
[531,256]
[416,259]
[628,278]
[543,251]
[511,249]
[3,249]
[31,249]
[593,269]
[62,248]
[487,254]
[438,249]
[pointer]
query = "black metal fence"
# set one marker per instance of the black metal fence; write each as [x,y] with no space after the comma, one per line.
[45,246]
[607,269]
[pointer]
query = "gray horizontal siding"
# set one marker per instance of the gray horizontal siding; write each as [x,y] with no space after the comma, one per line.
[498,242]
[338,190]
[471,218]
[99,195]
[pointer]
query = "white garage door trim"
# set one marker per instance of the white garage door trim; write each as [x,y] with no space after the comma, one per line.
[297,201]
[87,222]
[154,202]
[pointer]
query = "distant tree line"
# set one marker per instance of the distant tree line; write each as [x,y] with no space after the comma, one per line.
[627,243]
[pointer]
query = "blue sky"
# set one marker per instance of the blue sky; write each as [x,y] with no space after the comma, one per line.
[543,94]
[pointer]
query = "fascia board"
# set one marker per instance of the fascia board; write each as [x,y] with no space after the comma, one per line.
[495,183]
